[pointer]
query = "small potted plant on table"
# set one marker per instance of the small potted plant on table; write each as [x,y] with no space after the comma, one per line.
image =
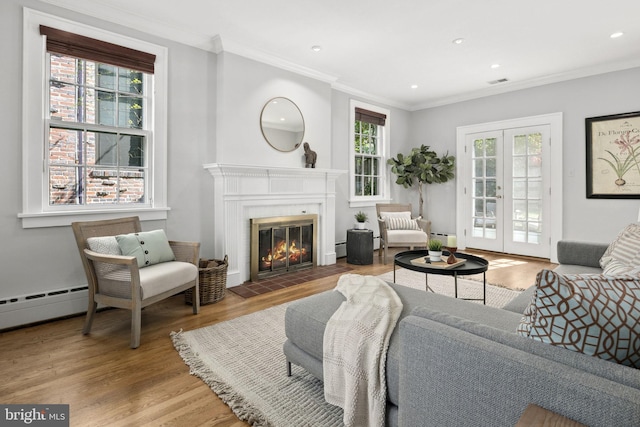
[361,218]
[435,250]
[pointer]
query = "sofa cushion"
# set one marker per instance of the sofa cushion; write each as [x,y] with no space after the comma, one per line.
[149,247]
[623,254]
[592,314]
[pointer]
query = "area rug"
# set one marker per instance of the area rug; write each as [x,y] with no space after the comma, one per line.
[242,361]
[497,296]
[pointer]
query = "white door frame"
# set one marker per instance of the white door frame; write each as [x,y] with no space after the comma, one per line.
[554,120]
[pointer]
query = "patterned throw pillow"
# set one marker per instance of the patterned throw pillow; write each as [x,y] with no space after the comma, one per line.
[589,313]
[623,254]
[107,245]
[104,245]
[401,224]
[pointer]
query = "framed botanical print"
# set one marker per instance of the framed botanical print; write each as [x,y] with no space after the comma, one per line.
[613,156]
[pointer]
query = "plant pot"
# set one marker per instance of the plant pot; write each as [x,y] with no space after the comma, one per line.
[360,226]
[435,256]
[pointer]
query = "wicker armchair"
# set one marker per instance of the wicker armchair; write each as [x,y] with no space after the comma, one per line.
[406,238]
[117,281]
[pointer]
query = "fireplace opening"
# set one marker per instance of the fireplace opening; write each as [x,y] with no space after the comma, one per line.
[282,244]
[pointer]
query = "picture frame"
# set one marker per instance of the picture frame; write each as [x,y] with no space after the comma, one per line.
[613,156]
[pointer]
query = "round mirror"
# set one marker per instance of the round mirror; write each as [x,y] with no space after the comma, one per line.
[282,124]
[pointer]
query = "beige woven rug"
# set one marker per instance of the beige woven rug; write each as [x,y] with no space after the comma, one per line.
[242,361]
[497,296]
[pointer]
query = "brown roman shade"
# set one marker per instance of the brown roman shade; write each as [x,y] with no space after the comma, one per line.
[370,117]
[78,46]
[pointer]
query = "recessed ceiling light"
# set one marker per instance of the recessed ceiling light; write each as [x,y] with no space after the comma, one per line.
[414,86]
[458,41]
[316,48]
[616,35]
[494,66]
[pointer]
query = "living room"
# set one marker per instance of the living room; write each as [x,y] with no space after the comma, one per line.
[214,120]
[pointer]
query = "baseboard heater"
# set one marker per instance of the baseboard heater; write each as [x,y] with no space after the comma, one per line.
[26,309]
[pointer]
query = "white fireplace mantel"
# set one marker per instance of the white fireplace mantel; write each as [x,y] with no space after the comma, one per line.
[242,192]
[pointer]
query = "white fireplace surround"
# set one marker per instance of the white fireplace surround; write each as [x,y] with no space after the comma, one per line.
[242,192]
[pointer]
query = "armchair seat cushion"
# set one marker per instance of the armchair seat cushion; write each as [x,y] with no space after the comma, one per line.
[162,277]
[406,236]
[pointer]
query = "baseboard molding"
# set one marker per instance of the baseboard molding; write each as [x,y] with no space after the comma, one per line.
[27,309]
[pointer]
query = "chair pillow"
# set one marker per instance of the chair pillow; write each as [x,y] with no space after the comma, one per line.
[401,224]
[107,245]
[589,313]
[149,247]
[623,254]
[403,214]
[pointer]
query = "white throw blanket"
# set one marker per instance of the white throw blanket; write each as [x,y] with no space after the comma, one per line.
[355,349]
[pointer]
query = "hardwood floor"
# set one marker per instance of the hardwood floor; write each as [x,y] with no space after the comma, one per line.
[107,383]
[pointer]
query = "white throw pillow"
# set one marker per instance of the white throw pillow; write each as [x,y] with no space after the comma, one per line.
[623,254]
[107,245]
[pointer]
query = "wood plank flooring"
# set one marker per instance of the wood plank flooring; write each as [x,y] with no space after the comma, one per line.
[107,383]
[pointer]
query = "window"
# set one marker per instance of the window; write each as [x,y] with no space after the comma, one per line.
[369,148]
[92,147]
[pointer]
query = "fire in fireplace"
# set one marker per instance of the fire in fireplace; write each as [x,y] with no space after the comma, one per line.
[282,244]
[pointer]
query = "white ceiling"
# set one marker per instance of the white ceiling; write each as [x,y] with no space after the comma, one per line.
[380,48]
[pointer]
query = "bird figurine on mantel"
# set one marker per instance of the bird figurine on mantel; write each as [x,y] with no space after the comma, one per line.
[310,156]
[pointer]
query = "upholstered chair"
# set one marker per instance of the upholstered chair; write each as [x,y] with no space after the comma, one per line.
[131,269]
[398,228]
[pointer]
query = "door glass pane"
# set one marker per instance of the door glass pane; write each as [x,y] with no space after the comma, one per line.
[534,189]
[519,145]
[519,167]
[478,186]
[491,167]
[478,168]
[490,147]
[478,148]
[491,188]
[519,189]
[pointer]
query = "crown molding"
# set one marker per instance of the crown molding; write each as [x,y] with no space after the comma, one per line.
[530,83]
[143,23]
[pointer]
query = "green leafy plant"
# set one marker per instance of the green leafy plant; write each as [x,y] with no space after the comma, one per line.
[422,166]
[435,245]
[361,216]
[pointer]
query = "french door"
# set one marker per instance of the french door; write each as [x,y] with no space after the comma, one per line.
[507,191]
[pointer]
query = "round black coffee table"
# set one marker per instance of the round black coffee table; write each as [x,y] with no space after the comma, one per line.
[420,258]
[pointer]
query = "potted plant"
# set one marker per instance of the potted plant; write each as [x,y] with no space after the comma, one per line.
[435,250]
[361,218]
[424,166]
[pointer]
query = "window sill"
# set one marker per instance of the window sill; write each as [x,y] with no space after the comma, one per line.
[367,203]
[64,219]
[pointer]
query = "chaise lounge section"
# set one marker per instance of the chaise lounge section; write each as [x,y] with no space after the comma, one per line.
[455,363]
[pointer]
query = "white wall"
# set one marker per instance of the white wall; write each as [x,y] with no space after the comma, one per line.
[244,88]
[584,219]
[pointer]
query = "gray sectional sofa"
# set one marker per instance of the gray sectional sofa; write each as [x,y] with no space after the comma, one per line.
[456,363]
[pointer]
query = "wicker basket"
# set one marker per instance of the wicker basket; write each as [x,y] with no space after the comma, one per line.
[213,281]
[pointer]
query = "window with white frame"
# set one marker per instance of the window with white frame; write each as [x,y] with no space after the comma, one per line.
[369,152]
[102,152]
